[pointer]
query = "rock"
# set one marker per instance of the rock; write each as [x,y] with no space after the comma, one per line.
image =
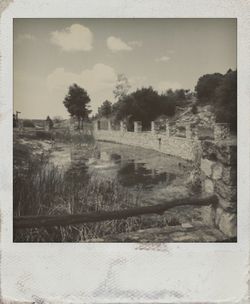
[227,222]
[229,176]
[224,152]
[194,181]
[208,186]
[208,215]
[209,150]
[227,192]
[206,166]
[227,154]
[217,171]
[227,205]
[186,225]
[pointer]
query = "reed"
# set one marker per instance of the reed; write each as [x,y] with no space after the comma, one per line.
[41,188]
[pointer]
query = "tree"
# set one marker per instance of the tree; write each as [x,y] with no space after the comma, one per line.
[105,110]
[122,87]
[220,91]
[144,105]
[206,87]
[226,99]
[77,103]
[178,96]
[57,119]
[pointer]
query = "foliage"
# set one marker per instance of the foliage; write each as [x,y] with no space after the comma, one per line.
[206,87]
[144,105]
[105,110]
[57,119]
[179,96]
[220,91]
[226,99]
[122,87]
[77,103]
[27,123]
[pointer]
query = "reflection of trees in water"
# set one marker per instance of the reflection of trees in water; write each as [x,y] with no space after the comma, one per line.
[135,173]
[77,172]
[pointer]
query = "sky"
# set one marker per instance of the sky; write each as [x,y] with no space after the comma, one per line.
[52,54]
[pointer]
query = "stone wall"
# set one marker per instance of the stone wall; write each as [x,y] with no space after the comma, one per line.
[219,176]
[215,160]
[175,146]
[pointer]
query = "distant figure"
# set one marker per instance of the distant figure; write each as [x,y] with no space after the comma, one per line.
[159,139]
[48,123]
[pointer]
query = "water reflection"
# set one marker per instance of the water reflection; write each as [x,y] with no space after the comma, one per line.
[154,172]
[132,173]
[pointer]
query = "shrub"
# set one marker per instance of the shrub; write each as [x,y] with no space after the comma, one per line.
[28,123]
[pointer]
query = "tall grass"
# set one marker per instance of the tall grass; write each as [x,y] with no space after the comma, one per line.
[41,188]
[47,190]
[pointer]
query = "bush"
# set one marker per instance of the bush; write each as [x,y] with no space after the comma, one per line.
[28,123]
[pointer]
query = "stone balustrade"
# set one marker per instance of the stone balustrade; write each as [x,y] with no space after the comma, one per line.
[221,130]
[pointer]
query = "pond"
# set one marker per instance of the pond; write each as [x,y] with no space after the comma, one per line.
[156,176]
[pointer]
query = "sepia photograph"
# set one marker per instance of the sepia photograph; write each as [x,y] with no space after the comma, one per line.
[125,130]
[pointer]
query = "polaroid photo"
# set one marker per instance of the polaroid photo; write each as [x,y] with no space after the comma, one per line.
[125,161]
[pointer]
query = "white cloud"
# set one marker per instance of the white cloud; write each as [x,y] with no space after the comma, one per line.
[74,38]
[116,44]
[98,81]
[165,85]
[162,59]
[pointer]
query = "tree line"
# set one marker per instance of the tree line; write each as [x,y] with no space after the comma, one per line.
[146,104]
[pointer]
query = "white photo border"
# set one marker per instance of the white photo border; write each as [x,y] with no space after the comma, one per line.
[125,273]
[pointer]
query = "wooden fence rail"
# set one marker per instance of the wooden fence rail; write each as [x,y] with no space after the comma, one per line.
[91,217]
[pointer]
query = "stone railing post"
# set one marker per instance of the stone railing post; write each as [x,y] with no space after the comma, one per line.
[221,131]
[96,125]
[167,129]
[152,127]
[122,126]
[219,176]
[137,126]
[109,125]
